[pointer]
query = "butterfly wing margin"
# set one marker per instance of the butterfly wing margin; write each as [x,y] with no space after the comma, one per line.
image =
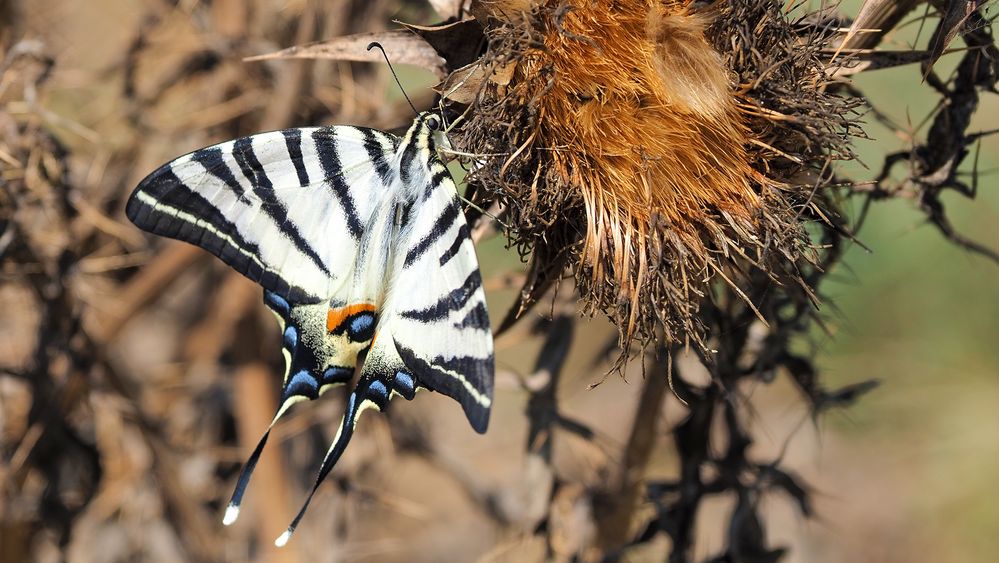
[270,205]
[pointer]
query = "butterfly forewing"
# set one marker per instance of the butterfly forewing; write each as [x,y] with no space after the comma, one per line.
[283,208]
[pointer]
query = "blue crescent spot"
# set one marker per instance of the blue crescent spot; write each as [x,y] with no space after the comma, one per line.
[337,374]
[404,385]
[379,388]
[302,383]
[291,338]
[276,302]
[362,322]
[361,326]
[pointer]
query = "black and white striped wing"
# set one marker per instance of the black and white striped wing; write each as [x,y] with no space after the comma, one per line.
[286,208]
[433,328]
[436,309]
[360,244]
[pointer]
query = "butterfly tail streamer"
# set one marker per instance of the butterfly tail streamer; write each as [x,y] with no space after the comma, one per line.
[288,398]
[301,383]
[368,394]
[232,509]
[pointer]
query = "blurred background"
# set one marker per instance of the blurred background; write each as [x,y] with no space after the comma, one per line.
[176,373]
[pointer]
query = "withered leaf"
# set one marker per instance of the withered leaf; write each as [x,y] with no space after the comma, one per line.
[867,60]
[459,42]
[846,395]
[464,84]
[876,17]
[402,47]
[954,14]
[790,484]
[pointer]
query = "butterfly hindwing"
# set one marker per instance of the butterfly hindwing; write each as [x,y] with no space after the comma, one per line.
[433,330]
[437,308]
[320,344]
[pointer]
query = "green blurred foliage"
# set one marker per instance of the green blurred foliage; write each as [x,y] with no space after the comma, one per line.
[922,315]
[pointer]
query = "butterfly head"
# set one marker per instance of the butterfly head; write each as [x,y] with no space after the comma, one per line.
[430,123]
[429,130]
[433,122]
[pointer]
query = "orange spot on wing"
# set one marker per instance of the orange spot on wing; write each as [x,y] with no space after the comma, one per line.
[335,317]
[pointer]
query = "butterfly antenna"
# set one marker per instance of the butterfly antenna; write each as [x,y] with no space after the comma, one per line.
[374,44]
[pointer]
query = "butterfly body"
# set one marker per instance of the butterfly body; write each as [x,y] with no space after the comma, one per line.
[359,242]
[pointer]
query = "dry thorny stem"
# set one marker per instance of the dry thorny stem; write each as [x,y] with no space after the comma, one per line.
[85,438]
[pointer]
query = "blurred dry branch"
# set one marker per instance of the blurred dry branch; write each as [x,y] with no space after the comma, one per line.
[933,164]
[87,371]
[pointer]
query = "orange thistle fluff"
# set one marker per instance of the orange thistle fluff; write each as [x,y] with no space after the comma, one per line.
[641,114]
[640,118]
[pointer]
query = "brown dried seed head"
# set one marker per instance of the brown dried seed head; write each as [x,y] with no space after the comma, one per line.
[640,119]
[626,150]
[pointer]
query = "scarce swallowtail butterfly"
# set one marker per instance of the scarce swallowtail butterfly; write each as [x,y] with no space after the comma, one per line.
[359,241]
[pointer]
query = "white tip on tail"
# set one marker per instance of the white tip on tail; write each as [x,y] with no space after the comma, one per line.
[281,541]
[231,514]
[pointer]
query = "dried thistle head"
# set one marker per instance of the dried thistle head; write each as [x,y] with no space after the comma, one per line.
[636,151]
[641,125]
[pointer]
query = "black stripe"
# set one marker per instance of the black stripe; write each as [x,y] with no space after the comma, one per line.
[436,180]
[329,158]
[456,245]
[477,318]
[293,140]
[246,157]
[478,372]
[407,212]
[407,159]
[441,226]
[377,155]
[439,175]
[466,365]
[453,301]
[211,159]
[169,190]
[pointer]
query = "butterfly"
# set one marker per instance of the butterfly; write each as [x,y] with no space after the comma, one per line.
[358,239]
